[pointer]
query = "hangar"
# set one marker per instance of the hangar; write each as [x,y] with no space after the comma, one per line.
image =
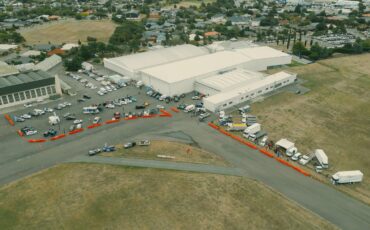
[27,87]
[181,76]
[129,65]
[248,91]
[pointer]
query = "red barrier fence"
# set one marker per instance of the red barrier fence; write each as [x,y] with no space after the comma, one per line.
[175,109]
[267,153]
[76,131]
[213,126]
[10,120]
[57,137]
[112,121]
[165,113]
[20,133]
[37,140]
[93,126]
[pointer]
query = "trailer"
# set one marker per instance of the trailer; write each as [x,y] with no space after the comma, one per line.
[347,177]
[252,129]
[256,136]
[236,127]
[322,158]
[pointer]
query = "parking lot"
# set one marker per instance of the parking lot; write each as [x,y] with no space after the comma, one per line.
[69,109]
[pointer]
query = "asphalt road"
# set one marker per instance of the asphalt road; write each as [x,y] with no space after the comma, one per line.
[19,159]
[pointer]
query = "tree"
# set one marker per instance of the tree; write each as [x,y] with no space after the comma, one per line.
[73,64]
[299,49]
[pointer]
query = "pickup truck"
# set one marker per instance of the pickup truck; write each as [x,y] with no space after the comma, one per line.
[143,143]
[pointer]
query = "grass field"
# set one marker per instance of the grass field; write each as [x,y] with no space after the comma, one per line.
[68,31]
[181,152]
[334,116]
[89,196]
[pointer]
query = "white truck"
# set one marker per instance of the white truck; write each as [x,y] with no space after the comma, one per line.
[54,120]
[236,127]
[256,127]
[322,158]
[189,108]
[347,177]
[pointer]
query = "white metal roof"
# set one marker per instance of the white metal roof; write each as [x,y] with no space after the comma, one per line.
[231,78]
[197,66]
[286,144]
[157,57]
[247,87]
[49,63]
[261,52]
[349,173]
[7,46]
[31,53]
[69,46]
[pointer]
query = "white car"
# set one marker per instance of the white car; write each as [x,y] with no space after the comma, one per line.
[304,160]
[30,132]
[101,93]
[109,89]
[160,107]
[26,116]
[96,120]
[110,106]
[67,103]
[62,105]
[195,98]
[27,105]
[49,110]
[40,100]
[296,156]
[77,121]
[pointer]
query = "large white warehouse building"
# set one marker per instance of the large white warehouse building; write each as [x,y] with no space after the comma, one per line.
[129,65]
[226,77]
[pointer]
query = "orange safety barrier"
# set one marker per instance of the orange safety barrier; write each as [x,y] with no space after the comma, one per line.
[131,118]
[284,162]
[267,153]
[165,113]
[224,132]
[76,131]
[57,137]
[175,109]
[250,145]
[300,171]
[112,121]
[93,126]
[10,120]
[213,125]
[20,133]
[36,140]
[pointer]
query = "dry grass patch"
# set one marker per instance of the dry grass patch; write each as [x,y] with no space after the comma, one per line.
[94,196]
[68,31]
[182,153]
[334,116]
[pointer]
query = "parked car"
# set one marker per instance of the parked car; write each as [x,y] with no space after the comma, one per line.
[26,116]
[129,145]
[96,120]
[143,143]
[93,152]
[160,106]
[19,119]
[28,104]
[50,133]
[48,110]
[78,121]
[28,131]
[86,97]
[80,100]
[110,148]
[296,156]
[195,98]
[204,116]
[70,118]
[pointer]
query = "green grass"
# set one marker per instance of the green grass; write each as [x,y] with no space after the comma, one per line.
[94,196]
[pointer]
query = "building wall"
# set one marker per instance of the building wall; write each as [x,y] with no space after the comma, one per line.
[203,89]
[119,69]
[44,92]
[246,96]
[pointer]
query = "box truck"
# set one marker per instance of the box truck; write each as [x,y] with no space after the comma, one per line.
[236,127]
[252,129]
[345,177]
[322,158]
